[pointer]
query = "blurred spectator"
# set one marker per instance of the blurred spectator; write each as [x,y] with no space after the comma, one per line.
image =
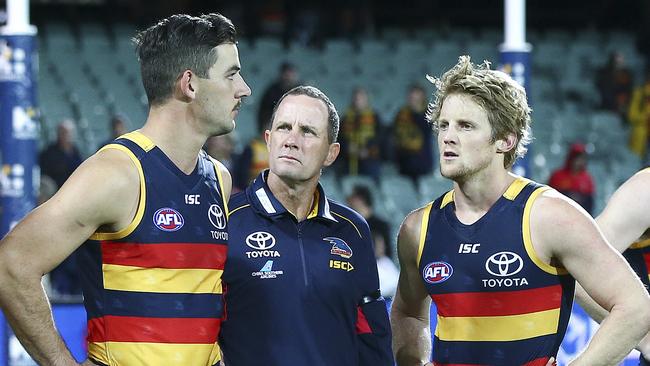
[286,79]
[386,268]
[355,21]
[64,279]
[222,148]
[253,159]
[360,200]
[47,188]
[573,180]
[413,137]
[639,117]
[62,157]
[118,128]
[614,84]
[273,18]
[306,24]
[360,137]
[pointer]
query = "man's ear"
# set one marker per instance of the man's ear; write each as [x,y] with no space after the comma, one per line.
[332,153]
[187,86]
[507,144]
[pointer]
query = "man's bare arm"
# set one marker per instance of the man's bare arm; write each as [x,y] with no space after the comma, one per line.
[563,231]
[623,221]
[627,214]
[411,306]
[102,192]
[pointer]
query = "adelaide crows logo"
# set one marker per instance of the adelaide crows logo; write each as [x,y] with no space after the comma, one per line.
[339,247]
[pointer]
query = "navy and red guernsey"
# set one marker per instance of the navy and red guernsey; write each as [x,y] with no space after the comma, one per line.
[498,303]
[152,291]
[301,293]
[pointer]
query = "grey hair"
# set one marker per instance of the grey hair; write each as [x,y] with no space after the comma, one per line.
[332,114]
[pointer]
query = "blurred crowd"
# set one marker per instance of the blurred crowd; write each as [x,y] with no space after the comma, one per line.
[368,146]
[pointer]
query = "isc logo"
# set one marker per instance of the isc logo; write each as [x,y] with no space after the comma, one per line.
[168,219]
[437,272]
[346,266]
[468,248]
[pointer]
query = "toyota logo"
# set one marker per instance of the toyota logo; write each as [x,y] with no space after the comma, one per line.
[504,264]
[216,216]
[260,240]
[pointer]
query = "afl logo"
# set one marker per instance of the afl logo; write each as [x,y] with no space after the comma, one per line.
[216,216]
[504,264]
[437,272]
[260,240]
[168,219]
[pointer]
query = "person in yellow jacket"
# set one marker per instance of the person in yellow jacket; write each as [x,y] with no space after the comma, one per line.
[639,117]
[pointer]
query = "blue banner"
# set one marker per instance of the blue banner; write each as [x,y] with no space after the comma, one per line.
[19,175]
[517,65]
[3,340]
[70,320]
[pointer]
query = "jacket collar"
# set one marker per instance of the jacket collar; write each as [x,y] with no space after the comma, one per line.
[263,200]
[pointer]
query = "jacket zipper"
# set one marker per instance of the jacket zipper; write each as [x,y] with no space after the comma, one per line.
[302,255]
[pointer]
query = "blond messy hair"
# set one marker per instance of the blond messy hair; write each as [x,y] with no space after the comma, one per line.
[503,99]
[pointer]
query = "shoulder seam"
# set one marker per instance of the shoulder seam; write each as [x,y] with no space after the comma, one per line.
[238,208]
[350,221]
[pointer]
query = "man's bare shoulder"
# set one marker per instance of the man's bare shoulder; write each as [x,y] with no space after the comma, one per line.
[552,208]
[103,184]
[109,169]
[410,230]
[559,224]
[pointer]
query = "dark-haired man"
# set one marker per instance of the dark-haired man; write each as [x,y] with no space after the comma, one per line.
[154,207]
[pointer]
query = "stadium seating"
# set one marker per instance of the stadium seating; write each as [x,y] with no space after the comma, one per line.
[89,72]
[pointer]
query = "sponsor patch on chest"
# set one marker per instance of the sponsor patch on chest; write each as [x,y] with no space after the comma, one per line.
[168,219]
[437,272]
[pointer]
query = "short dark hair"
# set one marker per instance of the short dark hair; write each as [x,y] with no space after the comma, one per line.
[178,43]
[332,114]
[363,193]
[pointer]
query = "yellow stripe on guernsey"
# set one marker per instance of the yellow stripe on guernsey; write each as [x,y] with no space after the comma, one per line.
[221,191]
[447,199]
[528,241]
[498,328]
[424,225]
[640,244]
[515,188]
[162,280]
[141,353]
[146,144]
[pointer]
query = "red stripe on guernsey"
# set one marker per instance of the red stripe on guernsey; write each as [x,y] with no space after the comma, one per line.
[535,362]
[362,323]
[498,303]
[167,255]
[646,258]
[153,330]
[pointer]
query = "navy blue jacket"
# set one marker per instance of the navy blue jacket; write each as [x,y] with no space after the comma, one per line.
[301,293]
